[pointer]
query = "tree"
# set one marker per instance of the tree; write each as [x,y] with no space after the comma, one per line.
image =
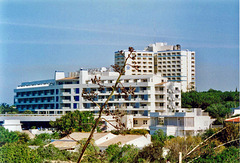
[218,111]
[127,153]
[230,154]
[104,108]
[151,153]
[27,112]
[180,144]
[74,121]
[6,108]
[22,137]
[159,136]
[52,153]
[43,139]
[17,153]
[7,137]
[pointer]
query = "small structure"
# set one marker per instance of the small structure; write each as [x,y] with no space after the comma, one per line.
[235,111]
[102,140]
[187,122]
[12,125]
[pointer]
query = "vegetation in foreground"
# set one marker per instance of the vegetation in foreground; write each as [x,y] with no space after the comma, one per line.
[223,146]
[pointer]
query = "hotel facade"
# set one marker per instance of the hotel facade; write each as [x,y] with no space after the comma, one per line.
[168,60]
[152,93]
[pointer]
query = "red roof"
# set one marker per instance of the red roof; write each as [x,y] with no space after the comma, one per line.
[235,119]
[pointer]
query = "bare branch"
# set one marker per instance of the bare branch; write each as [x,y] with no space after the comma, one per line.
[203,142]
[121,71]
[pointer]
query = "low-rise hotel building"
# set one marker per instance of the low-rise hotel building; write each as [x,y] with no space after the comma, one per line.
[152,93]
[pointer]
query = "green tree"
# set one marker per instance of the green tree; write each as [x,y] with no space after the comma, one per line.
[127,153]
[74,121]
[151,153]
[18,153]
[7,137]
[43,139]
[22,137]
[159,136]
[27,112]
[6,108]
[230,154]
[218,111]
[52,153]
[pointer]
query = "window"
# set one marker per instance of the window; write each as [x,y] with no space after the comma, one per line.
[135,122]
[76,98]
[145,122]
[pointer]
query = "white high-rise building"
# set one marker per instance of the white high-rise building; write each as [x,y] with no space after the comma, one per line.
[168,60]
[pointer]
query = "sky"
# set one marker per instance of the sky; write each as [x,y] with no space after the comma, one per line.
[40,37]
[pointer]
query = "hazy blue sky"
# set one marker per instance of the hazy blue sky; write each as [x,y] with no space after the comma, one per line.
[39,37]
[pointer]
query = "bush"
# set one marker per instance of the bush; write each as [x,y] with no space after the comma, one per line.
[18,153]
[131,132]
[7,137]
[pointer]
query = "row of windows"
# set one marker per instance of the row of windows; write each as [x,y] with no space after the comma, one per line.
[67,82]
[135,122]
[171,66]
[165,58]
[122,81]
[143,54]
[170,62]
[169,73]
[142,71]
[165,54]
[35,93]
[36,100]
[40,106]
[139,63]
[117,105]
[140,58]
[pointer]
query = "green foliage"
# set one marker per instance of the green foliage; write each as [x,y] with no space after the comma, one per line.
[180,144]
[139,132]
[27,112]
[7,137]
[115,153]
[74,121]
[159,136]
[217,103]
[218,111]
[18,153]
[202,100]
[230,154]
[151,153]
[92,152]
[52,153]
[22,137]
[43,139]
[131,132]
[6,108]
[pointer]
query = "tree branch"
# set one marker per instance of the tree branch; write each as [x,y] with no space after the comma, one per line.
[103,106]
